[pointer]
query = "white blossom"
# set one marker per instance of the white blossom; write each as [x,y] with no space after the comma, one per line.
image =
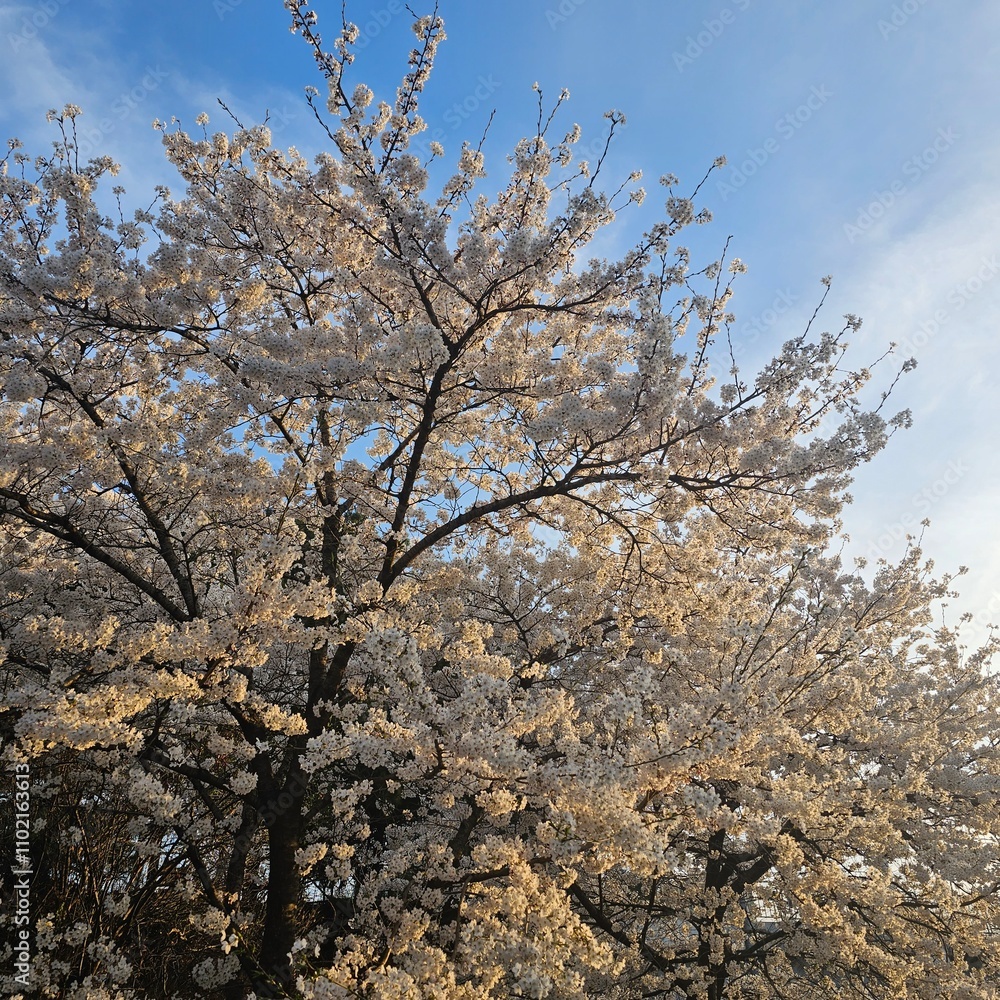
[400,601]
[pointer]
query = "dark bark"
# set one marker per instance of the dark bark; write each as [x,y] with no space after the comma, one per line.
[714,970]
[283,816]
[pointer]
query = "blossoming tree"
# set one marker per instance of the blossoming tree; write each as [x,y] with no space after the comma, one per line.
[397,603]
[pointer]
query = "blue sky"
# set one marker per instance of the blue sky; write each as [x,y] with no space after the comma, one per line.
[862,139]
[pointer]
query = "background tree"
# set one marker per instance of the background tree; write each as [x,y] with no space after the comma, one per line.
[391,608]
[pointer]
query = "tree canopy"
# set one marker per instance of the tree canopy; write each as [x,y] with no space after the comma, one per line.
[398,603]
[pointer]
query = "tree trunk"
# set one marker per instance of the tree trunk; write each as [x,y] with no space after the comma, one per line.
[235,877]
[283,817]
[715,881]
